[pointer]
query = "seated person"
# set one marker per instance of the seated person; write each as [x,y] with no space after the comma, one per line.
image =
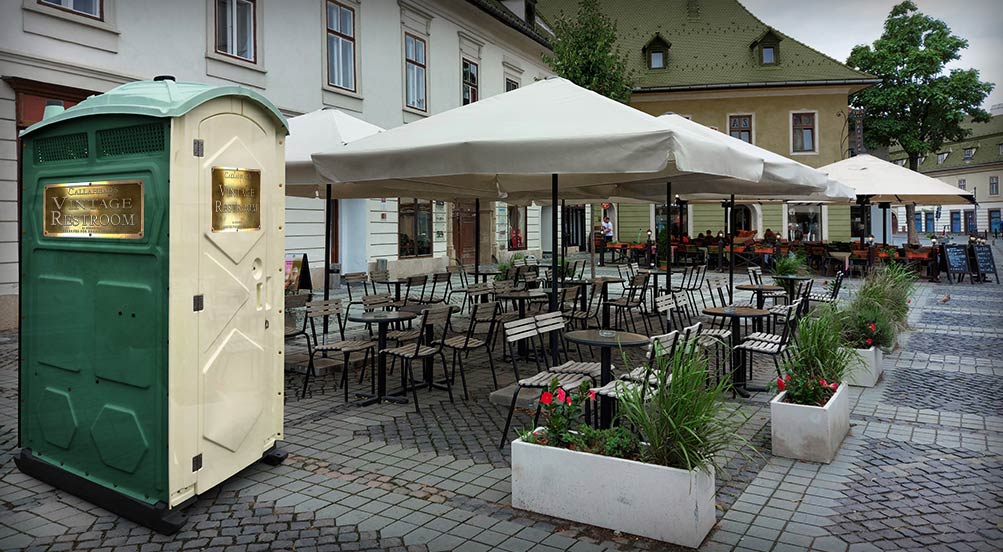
[769,237]
[685,238]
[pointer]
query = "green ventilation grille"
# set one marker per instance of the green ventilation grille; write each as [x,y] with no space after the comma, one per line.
[113,142]
[61,148]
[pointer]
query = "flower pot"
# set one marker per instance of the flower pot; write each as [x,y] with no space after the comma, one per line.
[865,370]
[666,504]
[811,433]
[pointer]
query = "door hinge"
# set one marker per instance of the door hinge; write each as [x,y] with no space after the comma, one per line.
[198,303]
[198,148]
[196,462]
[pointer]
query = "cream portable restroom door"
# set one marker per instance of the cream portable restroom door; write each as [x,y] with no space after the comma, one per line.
[236,356]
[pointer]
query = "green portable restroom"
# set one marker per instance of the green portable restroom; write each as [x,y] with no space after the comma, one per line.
[151,290]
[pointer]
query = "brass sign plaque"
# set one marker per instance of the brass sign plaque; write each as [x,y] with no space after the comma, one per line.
[236,199]
[109,209]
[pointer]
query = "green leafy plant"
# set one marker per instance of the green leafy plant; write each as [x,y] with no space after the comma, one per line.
[560,409]
[866,325]
[586,52]
[889,288]
[683,424]
[617,441]
[789,265]
[819,360]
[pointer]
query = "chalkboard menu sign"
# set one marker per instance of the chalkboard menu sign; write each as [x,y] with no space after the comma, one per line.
[297,272]
[956,258]
[984,261]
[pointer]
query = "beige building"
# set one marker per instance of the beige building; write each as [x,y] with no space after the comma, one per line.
[714,62]
[974,164]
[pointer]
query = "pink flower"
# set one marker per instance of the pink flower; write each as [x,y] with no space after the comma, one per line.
[780,384]
[833,386]
[873,327]
[787,377]
[592,394]
[823,382]
[546,397]
[870,341]
[567,399]
[561,395]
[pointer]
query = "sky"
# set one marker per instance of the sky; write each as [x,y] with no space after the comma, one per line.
[834,27]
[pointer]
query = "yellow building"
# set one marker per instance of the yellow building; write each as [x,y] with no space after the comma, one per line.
[714,62]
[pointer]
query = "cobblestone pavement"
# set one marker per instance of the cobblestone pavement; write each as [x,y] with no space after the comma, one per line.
[922,468]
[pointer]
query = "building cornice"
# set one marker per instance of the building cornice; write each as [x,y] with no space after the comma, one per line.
[34,63]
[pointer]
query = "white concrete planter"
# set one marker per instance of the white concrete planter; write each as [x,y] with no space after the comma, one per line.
[865,370]
[666,504]
[811,433]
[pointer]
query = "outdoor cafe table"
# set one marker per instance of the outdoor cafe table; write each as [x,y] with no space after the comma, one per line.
[606,340]
[484,272]
[521,297]
[737,356]
[759,290]
[396,282]
[788,281]
[382,319]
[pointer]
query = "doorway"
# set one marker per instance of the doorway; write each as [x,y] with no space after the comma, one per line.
[573,227]
[464,232]
[743,218]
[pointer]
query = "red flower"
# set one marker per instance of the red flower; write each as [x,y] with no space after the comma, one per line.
[546,397]
[592,394]
[780,384]
[561,395]
[568,399]
[870,341]
[833,386]
[823,382]
[874,327]
[787,377]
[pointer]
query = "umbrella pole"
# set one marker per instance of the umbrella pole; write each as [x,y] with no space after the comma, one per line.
[564,232]
[731,256]
[884,223]
[553,267]
[818,238]
[327,251]
[477,239]
[668,238]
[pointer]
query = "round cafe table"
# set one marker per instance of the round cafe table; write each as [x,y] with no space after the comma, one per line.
[396,282]
[759,290]
[737,356]
[788,281]
[606,340]
[382,319]
[484,272]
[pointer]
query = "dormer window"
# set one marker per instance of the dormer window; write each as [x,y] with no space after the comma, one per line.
[969,154]
[656,52]
[767,47]
[941,157]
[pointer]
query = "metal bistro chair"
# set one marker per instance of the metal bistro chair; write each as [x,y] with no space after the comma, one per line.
[464,282]
[354,280]
[441,282]
[830,295]
[801,290]
[473,294]
[379,276]
[438,318]
[295,328]
[773,345]
[332,307]
[633,301]
[461,345]
[756,278]
[519,330]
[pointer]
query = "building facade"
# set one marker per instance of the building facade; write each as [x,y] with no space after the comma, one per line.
[389,62]
[974,164]
[715,63]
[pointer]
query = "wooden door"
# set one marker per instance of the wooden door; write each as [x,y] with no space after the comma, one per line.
[464,231]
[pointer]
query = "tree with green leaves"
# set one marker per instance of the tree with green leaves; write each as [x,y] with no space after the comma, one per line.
[918,105]
[586,53]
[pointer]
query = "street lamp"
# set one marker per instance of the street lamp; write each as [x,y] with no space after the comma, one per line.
[870,239]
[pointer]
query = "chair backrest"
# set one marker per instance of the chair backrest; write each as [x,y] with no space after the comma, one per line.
[518,330]
[353,279]
[569,297]
[697,276]
[755,275]
[663,344]
[292,304]
[416,283]
[503,286]
[440,283]
[376,300]
[665,303]
[837,285]
[479,290]
[378,276]
[511,273]
[519,262]
[484,312]
[325,307]
[717,286]
[792,311]
[438,317]
[549,322]
[462,271]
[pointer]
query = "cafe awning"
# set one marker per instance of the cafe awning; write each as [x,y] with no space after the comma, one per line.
[884,182]
[318,131]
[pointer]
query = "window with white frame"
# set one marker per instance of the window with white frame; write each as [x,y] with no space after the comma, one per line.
[941,157]
[469,78]
[90,8]
[414,72]
[962,183]
[340,46]
[803,133]
[969,154]
[235,29]
[994,185]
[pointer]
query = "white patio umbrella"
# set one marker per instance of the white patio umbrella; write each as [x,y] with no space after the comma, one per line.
[878,181]
[316,131]
[884,182]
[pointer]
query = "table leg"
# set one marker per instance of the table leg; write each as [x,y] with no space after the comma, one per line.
[654,294]
[397,292]
[381,372]
[605,403]
[737,359]
[603,296]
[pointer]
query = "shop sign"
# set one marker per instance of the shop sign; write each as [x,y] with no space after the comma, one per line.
[236,199]
[106,209]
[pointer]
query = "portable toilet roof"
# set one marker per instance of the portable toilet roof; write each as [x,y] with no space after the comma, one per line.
[162,97]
